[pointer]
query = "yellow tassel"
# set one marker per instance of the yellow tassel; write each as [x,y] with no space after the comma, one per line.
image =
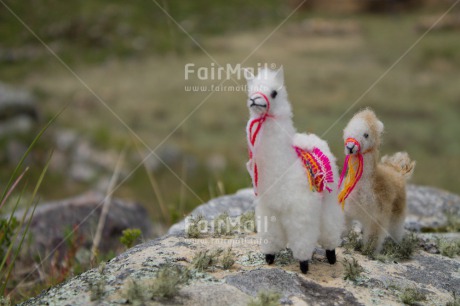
[354,165]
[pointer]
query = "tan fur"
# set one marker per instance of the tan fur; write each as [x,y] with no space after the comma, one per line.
[401,163]
[379,199]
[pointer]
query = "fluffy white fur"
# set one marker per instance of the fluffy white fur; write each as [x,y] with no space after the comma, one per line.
[297,217]
[378,201]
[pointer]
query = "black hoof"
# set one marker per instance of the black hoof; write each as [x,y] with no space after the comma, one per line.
[331,258]
[304,266]
[269,258]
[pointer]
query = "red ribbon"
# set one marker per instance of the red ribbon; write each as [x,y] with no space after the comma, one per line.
[252,136]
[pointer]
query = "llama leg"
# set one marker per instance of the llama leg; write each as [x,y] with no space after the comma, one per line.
[348,226]
[376,235]
[302,230]
[332,224]
[396,228]
[271,234]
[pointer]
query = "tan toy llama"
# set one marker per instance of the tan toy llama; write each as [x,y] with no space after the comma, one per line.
[373,193]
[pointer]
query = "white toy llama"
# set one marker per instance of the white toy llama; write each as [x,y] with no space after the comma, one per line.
[294,177]
[374,193]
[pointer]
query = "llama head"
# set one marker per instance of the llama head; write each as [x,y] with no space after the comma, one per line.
[362,133]
[267,94]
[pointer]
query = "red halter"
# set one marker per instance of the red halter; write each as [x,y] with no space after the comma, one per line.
[252,136]
[349,139]
[259,121]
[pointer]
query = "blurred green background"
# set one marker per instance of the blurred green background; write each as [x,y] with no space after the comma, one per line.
[124,61]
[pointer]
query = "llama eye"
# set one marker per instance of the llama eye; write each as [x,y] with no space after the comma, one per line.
[366,135]
[273,94]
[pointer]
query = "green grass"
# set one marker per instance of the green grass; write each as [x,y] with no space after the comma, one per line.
[352,269]
[391,250]
[196,226]
[168,282]
[134,292]
[352,242]
[5,301]
[247,222]
[97,289]
[223,225]
[228,259]
[404,250]
[453,223]
[13,231]
[266,298]
[455,300]
[449,248]
[411,296]
[204,260]
[130,236]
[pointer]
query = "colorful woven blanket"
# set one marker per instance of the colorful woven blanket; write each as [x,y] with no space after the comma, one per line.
[317,167]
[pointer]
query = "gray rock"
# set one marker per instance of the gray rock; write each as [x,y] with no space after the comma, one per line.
[18,111]
[429,241]
[214,294]
[65,139]
[276,280]
[380,284]
[290,284]
[82,172]
[437,271]
[427,208]
[52,221]
[234,205]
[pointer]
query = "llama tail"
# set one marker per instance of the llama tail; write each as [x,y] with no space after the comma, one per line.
[401,162]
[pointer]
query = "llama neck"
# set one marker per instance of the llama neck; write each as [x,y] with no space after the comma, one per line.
[275,131]
[273,143]
[370,164]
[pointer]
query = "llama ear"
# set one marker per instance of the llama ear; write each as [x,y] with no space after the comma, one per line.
[280,75]
[380,126]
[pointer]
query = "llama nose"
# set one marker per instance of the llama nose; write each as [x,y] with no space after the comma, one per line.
[350,146]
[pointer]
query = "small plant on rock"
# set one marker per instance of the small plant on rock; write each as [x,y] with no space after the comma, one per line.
[134,293]
[194,228]
[5,301]
[248,222]
[265,298]
[368,249]
[97,289]
[455,300]
[205,259]
[352,269]
[168,281]
[399,251]
[223,225]
[453,223]
[228,259]
[130,236]
[411,296]
[285,257]
[449,248]
[352,242]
